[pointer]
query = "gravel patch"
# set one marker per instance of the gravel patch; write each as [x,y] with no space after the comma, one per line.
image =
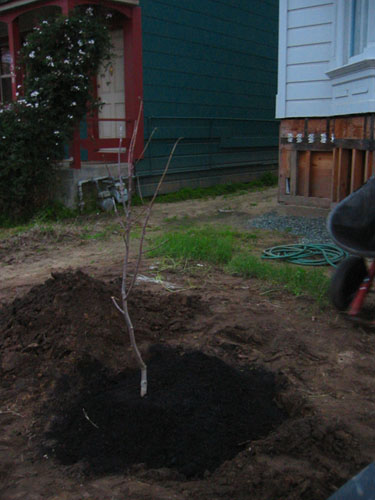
[311,230]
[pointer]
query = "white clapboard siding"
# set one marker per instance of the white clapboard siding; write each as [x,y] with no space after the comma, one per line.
[305,91]
[310,16]
[305,72]
[305,52]
[304,35]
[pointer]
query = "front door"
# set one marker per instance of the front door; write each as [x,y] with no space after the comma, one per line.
[111,91]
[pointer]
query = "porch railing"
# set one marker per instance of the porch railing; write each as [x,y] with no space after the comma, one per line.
[87,144]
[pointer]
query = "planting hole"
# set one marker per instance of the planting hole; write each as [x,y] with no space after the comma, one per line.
[198,413]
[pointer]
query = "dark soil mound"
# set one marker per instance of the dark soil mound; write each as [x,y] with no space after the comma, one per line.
[72,315]
[199,412]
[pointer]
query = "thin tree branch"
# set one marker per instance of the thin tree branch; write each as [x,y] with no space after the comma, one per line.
[140,157]
[148,214]
[146,146]
[120,221]
[116,305]
[134,135]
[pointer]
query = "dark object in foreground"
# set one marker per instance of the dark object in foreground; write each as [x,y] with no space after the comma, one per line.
[351,225]
[360,487]
[346,280]
[199,412]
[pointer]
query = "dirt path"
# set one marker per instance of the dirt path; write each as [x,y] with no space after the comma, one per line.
[31,261]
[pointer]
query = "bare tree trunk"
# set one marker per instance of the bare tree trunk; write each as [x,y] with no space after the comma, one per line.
[127,225]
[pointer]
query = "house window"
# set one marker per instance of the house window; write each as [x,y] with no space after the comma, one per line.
[359,27]
[361,33]
[352,72]
[5,75]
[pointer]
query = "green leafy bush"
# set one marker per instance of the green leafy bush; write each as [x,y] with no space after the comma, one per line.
[59,57]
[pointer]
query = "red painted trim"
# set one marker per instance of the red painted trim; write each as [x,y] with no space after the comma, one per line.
[134,77]
[8,17]
[14,47]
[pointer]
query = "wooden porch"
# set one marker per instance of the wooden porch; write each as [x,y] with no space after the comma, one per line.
[323,160]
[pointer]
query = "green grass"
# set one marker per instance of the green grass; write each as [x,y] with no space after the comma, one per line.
[209,244]
[232,250]
[297,280]
[266,180]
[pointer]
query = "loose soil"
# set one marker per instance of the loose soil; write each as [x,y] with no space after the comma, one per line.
[253,393]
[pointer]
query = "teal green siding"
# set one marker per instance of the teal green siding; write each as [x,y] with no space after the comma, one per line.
[210,76]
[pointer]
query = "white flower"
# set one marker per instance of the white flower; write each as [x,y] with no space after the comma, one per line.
[109,16]
[90,11]
[44,22]
[91,42]
[70,117]
[49,58]
[36,105]
[56,132]
[80,43]
[81,52]
[32,54]
[4,137]
[74,103]
[35,93]
[66,61]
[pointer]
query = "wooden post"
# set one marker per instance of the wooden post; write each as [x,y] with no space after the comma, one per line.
[14,47]
[343,174]
[133,76]
[335,175]
[356,177]
[306,187]
[293,172]
[67,6]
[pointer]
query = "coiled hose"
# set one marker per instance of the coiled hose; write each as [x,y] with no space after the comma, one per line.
[306,255]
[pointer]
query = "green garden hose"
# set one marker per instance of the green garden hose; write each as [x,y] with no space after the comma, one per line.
[306,255]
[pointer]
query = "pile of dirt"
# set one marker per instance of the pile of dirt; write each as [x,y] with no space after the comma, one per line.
[72,316]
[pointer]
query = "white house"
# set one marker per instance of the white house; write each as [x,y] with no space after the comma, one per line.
[326,99]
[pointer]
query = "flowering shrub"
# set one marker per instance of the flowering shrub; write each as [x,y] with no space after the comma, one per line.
[60,57]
